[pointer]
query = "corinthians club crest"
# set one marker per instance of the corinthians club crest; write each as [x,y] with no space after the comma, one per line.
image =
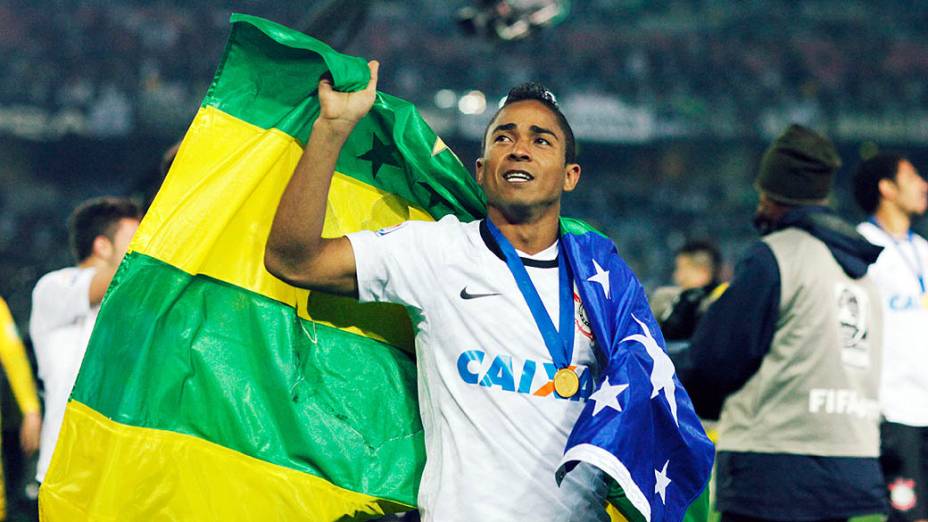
[902,494]
[582,321]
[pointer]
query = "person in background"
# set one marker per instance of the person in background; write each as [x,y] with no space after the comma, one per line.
[790,354]
[697,276]
[889,189]
[19,375]
[65,304]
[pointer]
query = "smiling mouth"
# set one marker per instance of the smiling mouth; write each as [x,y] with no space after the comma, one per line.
[517,176]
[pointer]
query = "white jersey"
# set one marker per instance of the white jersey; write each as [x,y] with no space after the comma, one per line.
[60,326]
[904,385]
[494,428]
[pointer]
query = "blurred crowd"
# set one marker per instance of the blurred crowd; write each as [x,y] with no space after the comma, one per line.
[94,92]
[697,67]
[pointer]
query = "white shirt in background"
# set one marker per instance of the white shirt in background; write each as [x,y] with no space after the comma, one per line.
[60,326]
[904,384]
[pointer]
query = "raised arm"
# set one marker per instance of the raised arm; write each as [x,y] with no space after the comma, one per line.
[295,251]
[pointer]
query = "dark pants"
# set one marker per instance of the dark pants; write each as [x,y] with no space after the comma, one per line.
[904,459]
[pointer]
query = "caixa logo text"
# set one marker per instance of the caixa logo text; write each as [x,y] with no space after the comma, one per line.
[527,377]
[899,302]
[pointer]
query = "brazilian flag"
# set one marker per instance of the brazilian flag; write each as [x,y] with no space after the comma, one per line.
[212,390]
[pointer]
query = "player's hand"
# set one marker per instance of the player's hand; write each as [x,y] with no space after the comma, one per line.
[342,110]
[29,433]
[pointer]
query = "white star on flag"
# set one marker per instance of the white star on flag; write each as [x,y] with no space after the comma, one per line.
[661,482]
[601,277]
[662,372]
[607,395]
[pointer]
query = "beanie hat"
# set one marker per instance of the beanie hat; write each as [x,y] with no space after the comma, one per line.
[798,167]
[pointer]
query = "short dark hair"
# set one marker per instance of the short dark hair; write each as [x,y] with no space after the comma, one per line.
[867,178]
[98,217]
[538,92]
[697,247]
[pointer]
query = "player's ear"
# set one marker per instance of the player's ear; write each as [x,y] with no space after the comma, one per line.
[571,176]
[886,187]
[102,247]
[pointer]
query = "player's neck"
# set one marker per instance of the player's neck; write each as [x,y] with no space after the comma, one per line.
[529,236]
[92,262]
[893,220]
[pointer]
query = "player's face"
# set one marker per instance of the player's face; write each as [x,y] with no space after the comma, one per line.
[689,273]
[911,193]
[523,171]
[122,237]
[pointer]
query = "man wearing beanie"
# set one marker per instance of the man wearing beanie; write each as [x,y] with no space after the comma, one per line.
[889,189]
[788,359]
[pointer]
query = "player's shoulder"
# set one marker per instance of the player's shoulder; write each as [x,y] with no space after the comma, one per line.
[448,222]
[871,232]
[447,235]
[866,227]
[452,223]
[56,279]
[920,240]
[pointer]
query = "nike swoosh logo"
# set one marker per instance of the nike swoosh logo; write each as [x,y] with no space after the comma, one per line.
[467,295]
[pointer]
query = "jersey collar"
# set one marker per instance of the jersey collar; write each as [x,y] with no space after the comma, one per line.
[491,244]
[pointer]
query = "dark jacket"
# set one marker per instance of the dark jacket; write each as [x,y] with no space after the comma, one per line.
[728,348]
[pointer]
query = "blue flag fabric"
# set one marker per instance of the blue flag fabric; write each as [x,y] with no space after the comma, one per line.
[639,426]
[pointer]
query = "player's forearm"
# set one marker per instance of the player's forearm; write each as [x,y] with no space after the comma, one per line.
[295,251]
[296,234]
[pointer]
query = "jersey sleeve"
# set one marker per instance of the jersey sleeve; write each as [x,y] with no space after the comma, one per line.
[397,264]
[59,299]
[16,364]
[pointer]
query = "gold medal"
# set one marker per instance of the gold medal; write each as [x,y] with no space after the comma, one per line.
[925,301]
[566,382]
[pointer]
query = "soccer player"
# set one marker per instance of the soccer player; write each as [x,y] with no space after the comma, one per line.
[65,304]
[481,295]
[890,190]
[484,448]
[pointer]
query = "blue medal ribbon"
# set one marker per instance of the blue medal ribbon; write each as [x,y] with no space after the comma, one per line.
[560,342]
[916,268]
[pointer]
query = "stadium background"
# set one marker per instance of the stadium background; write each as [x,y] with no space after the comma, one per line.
[672,101]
